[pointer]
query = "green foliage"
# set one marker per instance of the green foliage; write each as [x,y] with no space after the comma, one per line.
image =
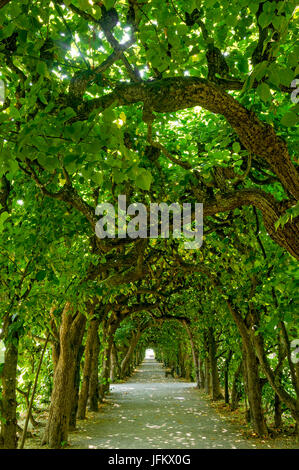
[74,133]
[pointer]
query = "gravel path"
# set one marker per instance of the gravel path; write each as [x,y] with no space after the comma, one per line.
[150,411]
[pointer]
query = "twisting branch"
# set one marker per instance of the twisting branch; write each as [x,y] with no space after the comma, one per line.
[67,194]
[246,173]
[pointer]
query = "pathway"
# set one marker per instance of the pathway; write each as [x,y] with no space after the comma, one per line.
[150,411]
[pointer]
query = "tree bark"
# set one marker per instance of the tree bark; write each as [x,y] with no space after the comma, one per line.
[216,393]
[113,363]
[76,386]
[92,338]
[235,395]
[251,374]
[8,437]
[226,376]
[104,380]
[70,335]
[126,359]
[202,373]
[291,402]
[254,391]
[277,411]
[194,354]
[207,375]
[93,393]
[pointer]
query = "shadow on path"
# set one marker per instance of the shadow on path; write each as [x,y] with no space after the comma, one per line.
[150,411]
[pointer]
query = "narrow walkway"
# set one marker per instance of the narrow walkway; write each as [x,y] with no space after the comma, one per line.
[150,411]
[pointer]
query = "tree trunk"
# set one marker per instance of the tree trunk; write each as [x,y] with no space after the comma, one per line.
[235,397]
[201,373]
[277,411]
[207,375]
[277,400]
[126,360]
[285,397]
[55,353]
[113,364]
[75,397]
[8,437]
[92,338]
[194,355]
[254,391]
[93,393]
[226,374]
[251,373]
[216,393]
[111,328]
[117,364]
[70,334]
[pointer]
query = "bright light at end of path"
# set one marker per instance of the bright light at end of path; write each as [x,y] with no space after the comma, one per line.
[149,354]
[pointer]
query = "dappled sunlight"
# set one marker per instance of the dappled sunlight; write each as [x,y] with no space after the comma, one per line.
[155,412]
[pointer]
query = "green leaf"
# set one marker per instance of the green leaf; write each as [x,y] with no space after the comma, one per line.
[42,97]
[40,276]
[263,91]
[97,178]
[42,68]
[286,76]
[3,218]
[49,163]
[279,23]
[290,119]
[274,76]
[144,180]
[66,114]
[14,112]
[265,19]
[236,147]
[109,4]
[253,6]
[7,31]
[84,4]
[260,70]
